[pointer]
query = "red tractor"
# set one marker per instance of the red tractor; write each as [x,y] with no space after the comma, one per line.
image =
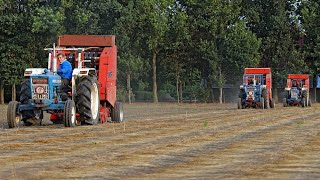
[297,91]
[256,89]
[92,94]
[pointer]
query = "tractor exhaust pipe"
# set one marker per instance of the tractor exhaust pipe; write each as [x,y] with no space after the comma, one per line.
[54,62]
[49,60]
[79,59]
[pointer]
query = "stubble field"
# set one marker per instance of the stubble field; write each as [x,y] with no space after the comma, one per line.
[170,141]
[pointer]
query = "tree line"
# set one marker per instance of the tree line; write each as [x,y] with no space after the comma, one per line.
[168,46]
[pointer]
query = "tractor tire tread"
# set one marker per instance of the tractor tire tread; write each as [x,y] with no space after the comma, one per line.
[83,99]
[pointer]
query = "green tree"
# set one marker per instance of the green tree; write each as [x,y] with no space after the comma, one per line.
[275,22]
[309,15]
[176,53]
[241,51]
[130,62]
[16,42]
[154,23]
[219,40]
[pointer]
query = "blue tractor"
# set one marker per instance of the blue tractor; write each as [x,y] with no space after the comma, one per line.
[40,91]
[254,92]
[296,93]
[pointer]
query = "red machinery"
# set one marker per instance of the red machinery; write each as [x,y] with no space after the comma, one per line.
[98,52]
[297,90]
[92,95]
[266,72]
[256,89]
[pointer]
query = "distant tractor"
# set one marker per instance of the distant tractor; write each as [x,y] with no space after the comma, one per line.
[92,91]
[256,89]
[297,91]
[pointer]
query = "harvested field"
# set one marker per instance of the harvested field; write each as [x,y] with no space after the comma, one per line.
[170,141]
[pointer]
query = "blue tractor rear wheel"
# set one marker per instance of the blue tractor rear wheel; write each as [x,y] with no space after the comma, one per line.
[25,95]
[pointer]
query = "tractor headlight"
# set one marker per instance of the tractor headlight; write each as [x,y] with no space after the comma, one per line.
[27,72]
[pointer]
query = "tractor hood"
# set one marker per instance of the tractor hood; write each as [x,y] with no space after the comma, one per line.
[33,71]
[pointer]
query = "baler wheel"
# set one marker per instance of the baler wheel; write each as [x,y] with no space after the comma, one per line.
[117,113]
[285,104]
[13,116]
[266,98]
[309,104]
[303,102]
[262,103]
[305,98]
[305,95]
[272,103]
[69,114]
[88,99]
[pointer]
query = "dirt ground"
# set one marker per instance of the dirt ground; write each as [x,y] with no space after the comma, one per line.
[170,141]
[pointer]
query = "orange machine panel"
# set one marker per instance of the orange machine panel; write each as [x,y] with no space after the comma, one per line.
[86,40]
[298,76]
[257,70]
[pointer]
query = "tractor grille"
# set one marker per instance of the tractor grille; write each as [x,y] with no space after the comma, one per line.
[40,91]
[250,94]
[294,93]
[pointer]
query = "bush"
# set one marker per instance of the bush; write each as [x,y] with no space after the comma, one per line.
[143,96]
[122,94]
[196,93]
[165,97]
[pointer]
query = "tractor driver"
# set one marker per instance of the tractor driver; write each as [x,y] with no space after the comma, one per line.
[65,71]
[250,81]
[294,83]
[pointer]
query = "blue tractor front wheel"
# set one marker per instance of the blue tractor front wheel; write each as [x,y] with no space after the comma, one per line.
[69,115]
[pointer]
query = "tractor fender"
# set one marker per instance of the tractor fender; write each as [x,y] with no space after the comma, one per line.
[83,72]
[79,73]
